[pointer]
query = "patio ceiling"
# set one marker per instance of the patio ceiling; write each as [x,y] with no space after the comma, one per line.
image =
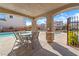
[31,9]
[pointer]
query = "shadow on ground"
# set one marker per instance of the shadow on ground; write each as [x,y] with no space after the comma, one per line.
[36,51]
[44,52]
[62,50]
[21,51]
[39,51]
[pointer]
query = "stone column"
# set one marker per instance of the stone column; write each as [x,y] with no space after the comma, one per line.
[50,29]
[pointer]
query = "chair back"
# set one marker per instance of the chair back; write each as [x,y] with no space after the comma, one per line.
[18,36]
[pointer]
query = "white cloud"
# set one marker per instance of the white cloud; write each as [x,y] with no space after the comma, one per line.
[28,23]
[64,15]
[62,18]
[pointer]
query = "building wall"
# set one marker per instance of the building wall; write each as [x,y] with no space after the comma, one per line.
[58,25]
[16,21]
[42,26]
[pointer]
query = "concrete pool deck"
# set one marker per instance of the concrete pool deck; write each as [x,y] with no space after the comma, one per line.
[57,48]
[6,44]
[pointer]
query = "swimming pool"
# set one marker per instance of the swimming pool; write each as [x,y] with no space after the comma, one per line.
[7,40]
[6,34]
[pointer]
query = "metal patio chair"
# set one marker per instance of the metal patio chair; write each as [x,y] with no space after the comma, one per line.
[19,42]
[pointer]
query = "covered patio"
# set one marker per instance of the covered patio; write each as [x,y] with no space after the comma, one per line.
[48,43]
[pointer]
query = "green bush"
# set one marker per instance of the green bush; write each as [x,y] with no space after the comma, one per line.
[72,38]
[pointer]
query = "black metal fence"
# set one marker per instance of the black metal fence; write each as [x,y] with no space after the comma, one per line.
[73,31]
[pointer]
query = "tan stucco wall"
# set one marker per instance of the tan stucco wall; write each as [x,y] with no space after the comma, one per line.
[16,21]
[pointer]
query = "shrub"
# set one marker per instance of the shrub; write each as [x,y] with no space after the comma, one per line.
[72,38]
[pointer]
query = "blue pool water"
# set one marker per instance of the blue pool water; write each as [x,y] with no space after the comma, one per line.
[6,34]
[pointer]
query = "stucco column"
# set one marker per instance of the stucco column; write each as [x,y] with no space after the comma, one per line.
[34,26]
[34,29]
[50,29]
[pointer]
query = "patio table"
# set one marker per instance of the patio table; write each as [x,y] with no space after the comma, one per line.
[27,35]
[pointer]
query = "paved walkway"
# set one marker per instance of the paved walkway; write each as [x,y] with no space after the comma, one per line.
[57,48]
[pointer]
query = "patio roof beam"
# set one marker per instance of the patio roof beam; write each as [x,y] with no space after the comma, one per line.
[4,10]
[58,9]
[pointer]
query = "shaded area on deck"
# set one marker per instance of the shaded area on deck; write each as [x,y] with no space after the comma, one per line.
[62,50]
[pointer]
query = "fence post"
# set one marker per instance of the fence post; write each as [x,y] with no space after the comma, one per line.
[68,22]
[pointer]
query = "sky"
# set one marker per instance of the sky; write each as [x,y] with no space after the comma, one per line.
[63,16]
[41,20]
[28,21]
[2,16]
